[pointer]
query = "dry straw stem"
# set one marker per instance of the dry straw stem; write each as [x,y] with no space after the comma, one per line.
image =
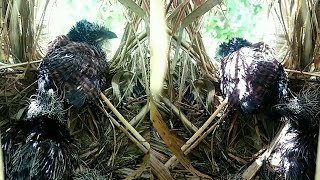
[131,5]
[303,73]
[124,130]
[133,23]
[190,18]
[201,138]
[251,171]
[126,45]
[18,64]
[158,168]
[299,21]
[179,114]
[125,122]
[198,133]
[170,140]
[159,47]
[137,173]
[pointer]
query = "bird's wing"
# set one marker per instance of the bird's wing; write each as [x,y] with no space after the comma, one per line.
[262,78]
[58,42]
[78,69]
[233,84]
[249,74]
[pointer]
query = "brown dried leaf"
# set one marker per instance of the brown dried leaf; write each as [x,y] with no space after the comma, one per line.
[170,140]
[158,168]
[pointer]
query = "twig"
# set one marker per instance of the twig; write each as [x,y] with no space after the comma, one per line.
[19,64]
[304,73]
[124,130]
[250,172]
[125,122]
[179,114]
[2,172]
[198,133]
[204,135]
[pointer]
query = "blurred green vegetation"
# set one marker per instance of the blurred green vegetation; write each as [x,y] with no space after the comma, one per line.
[65,14]
[108,12]
[239,18]
[235,18]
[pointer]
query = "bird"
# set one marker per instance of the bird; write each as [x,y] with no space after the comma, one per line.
[75,64]
[38,146]
[298,148]
[250,75]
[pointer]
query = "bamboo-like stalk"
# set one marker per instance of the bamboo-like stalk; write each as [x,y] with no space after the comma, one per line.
[19,64]
[251,171]
[303,72]
[201,138]
[179,114]
[317,174]
[125,131]
[144,110]
[125,122]
[199,132]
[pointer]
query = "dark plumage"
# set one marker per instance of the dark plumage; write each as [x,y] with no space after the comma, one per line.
[90,33]
[298,149]
[231,46]
[250,74]
[75,64]
[39,145]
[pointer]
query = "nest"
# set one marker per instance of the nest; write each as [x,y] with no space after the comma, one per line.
[107,149]
[103,147]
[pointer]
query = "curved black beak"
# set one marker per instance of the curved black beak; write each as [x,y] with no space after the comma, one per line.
[111,35]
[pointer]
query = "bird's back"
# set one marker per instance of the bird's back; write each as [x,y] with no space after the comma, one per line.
[77,70]
[251,76]
[75,64]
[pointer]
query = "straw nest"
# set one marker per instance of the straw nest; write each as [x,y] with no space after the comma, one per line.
[107,147]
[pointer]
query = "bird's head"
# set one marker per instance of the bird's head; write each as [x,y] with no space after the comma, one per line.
[91,33]
[231,46]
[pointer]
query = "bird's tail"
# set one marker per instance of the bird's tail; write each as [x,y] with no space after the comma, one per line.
[298,149]
[33,151]
[46,103]
[39,145]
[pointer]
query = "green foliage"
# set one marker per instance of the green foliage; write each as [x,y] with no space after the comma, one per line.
[239,19]
[95,10]
[108,13]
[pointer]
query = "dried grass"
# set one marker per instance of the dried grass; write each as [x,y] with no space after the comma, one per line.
[102,145]
[106,147]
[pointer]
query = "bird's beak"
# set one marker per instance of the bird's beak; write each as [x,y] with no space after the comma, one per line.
[111,35]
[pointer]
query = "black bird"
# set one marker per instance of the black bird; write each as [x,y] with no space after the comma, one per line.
[39,145]
[298,148]
[251,75]
[75,64]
